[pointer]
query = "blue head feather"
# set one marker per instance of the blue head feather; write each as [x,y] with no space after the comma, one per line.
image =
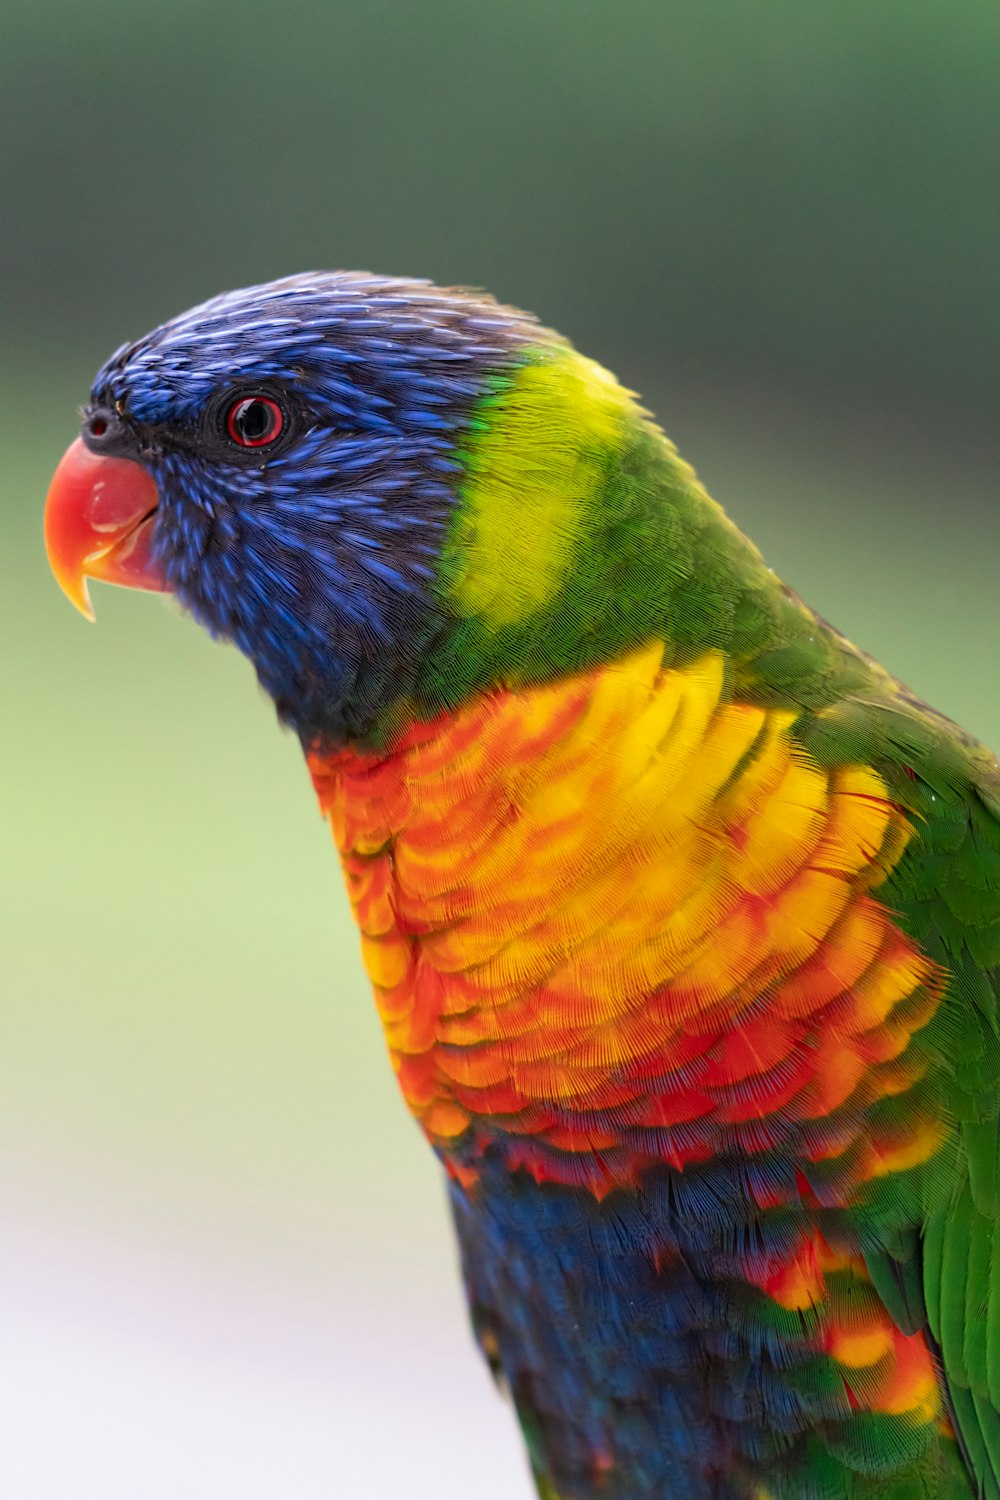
[317,560]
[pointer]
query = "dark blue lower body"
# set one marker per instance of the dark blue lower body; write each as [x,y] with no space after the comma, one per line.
[645,1363]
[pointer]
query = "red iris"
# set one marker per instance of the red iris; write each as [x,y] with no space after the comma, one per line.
[254,421]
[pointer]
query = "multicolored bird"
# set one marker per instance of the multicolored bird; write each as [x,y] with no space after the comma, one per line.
[682,915]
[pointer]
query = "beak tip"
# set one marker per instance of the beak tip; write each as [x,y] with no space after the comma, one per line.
[71,578]
[80,598]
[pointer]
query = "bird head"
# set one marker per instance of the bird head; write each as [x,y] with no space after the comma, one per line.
[388,495]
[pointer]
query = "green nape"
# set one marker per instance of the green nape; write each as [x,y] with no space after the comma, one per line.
[581,533]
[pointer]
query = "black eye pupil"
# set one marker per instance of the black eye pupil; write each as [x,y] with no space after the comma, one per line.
[255,421]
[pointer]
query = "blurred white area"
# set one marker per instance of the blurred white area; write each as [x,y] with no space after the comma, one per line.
[131,1377]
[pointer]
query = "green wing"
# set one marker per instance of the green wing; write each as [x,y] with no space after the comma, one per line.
[933,1241]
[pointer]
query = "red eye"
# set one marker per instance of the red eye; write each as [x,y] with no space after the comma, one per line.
[254,421]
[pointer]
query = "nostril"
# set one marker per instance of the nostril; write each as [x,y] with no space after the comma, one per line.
[106,433]
[99,426]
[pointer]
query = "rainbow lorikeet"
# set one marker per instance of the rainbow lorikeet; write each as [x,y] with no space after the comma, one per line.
[682,915]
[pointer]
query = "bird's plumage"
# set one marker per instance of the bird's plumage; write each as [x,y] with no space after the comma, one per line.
[682,915]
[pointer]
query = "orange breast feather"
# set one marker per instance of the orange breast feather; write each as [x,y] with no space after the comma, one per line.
[616,917]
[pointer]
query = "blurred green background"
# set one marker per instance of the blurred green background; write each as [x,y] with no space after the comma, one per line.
[226,1264]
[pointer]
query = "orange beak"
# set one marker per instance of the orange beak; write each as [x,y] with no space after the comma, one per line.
[99,519]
